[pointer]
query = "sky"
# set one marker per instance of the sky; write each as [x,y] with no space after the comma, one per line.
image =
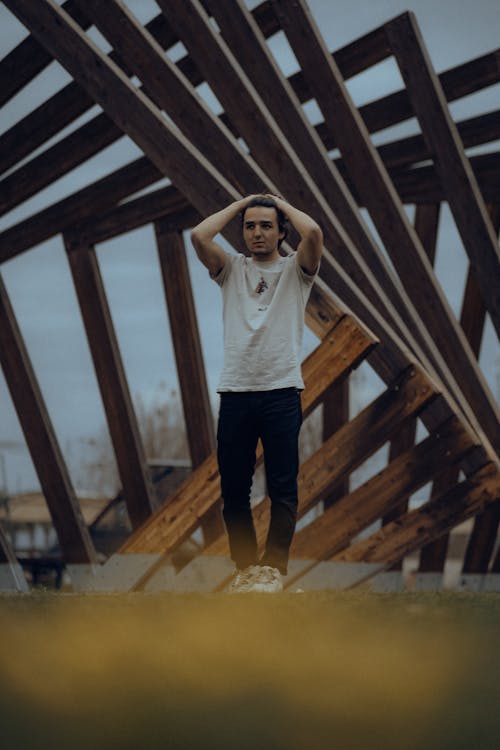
[40,285]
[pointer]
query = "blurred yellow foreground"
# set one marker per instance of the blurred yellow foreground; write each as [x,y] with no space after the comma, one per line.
[250,672]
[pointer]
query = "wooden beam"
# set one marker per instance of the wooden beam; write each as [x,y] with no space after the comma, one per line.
[333,531]
[342,348]
[167,148]
[198,416]
[62,108]
[433,556]
[95,198]
[451,354]
[421,184]
[56,161]
[405,152]
[72,533]
[29,58]
[458,82]
[439,131]
[428,522]
[123,428]
[167,88]
[166,204]
[335,416]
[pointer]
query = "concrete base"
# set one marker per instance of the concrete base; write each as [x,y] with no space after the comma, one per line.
[428,582]
[335,576]
[203,574]
[119,574]
[492,582]
[478,582]
[388,581]
[12,578]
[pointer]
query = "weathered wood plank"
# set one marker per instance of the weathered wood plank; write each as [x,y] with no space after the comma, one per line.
[29,58]
[443,141]
[131,460]
[72,533]
[166,87]
[457,82]
[482,540]
[335,416]
[433,556]
[474,131]
[422,185]
[56,161]
[428,522]
[169,150]
[166,204]
[454,360]
[174,522]
[186,341]
[330,533]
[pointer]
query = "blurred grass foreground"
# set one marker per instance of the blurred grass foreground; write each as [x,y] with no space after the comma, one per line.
[286,672]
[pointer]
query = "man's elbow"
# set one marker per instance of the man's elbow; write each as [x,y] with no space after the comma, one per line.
[316,235]
[195,238]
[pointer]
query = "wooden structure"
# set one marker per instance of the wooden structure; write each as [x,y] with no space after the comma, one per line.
[377,300]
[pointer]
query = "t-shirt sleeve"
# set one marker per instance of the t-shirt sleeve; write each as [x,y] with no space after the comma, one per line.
[224,272]
[305,278]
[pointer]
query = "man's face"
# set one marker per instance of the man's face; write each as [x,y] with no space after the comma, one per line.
[261,232]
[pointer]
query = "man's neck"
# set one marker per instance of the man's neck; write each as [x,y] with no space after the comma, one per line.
[266,257]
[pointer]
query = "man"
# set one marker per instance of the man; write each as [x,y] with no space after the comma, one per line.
[264,300]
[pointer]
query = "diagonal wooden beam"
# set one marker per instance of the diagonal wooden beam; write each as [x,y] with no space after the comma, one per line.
[333,530]
[443,141]
[336,415]
[96,198]
[471,76]
[395,230]
[140,54]
[123,428]
[421,184]
[72,533]
[474,131]
[167,148]
[428,522]
[426,226]
[433,556]
[29,58]
[49,166]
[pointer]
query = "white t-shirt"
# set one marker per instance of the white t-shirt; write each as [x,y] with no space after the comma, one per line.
[263,316]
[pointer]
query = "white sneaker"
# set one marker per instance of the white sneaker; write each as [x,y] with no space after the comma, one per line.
[266,580]
[244,579]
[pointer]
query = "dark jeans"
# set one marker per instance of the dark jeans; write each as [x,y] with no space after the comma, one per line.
[275,417]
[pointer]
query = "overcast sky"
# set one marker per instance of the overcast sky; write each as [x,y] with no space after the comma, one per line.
[40,285]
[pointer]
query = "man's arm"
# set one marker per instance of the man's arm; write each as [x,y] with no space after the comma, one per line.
[310,246]
[211,254]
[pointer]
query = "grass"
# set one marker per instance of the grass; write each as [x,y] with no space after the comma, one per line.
[295,672]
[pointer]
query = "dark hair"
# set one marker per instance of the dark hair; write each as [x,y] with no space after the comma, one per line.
[267,202]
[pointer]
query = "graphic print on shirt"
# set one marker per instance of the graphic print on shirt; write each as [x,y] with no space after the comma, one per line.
[261,286]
